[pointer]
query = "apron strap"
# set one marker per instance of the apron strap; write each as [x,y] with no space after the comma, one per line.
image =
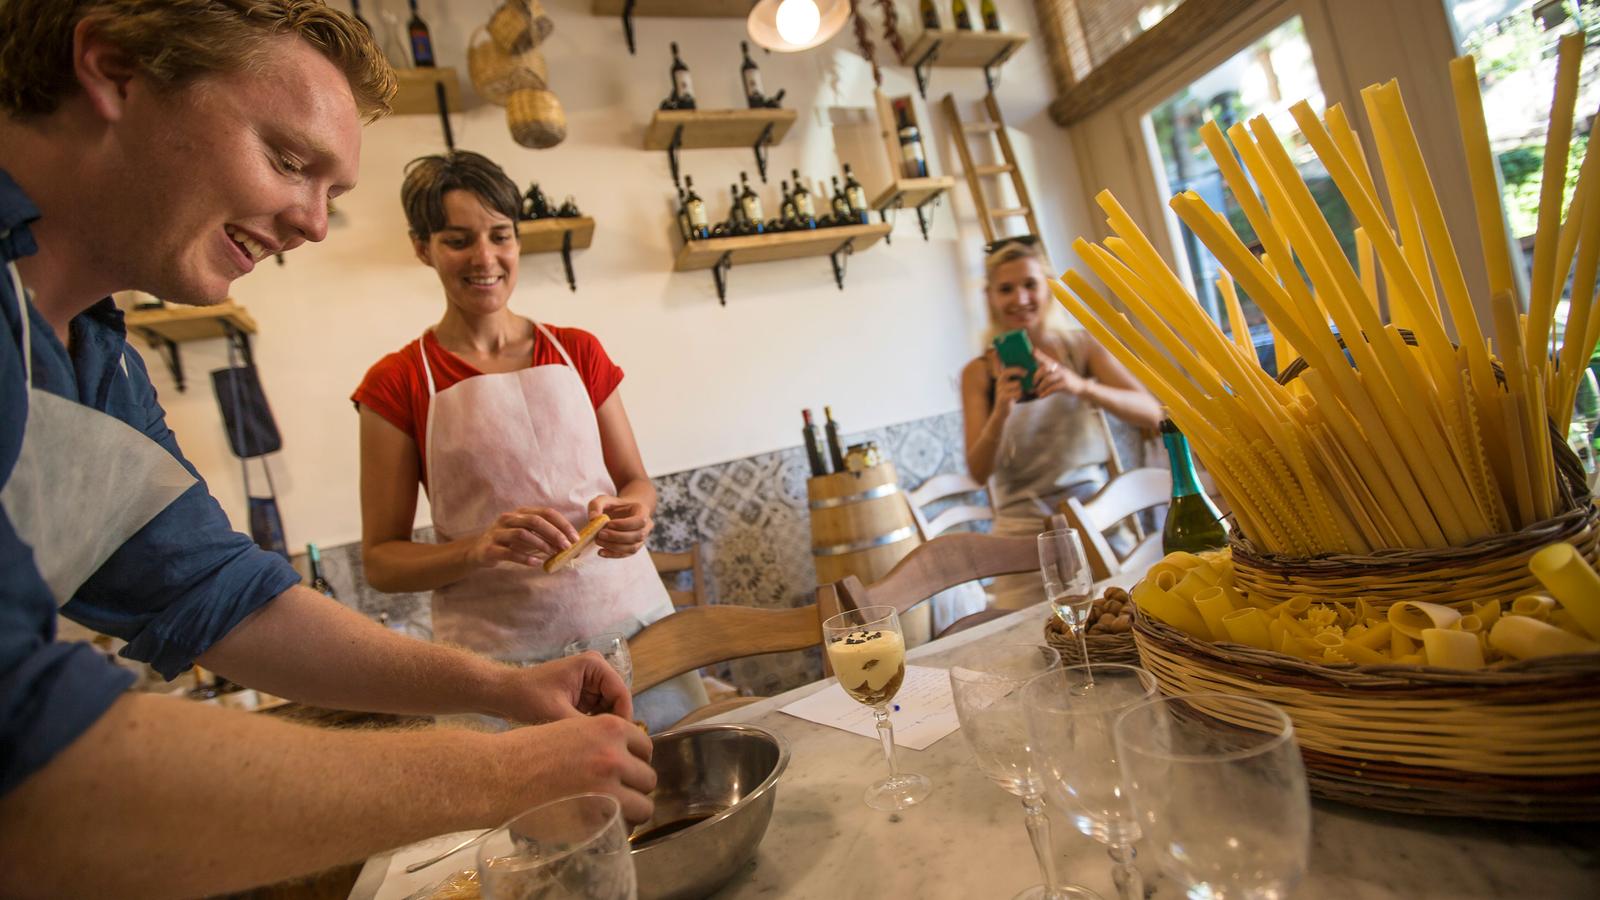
[22,312]
[427,372]
[559,349]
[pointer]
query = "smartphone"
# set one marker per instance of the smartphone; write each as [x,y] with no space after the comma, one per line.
[1016,351]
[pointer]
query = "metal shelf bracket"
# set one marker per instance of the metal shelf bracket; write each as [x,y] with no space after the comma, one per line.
[925,215]
[627,24]
[719,273]
[991,77]
[921,67]
[566,259]
[761,151]
[839,257]
[672,154]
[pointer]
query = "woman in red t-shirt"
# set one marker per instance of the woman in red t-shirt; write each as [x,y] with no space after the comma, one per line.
[518,434]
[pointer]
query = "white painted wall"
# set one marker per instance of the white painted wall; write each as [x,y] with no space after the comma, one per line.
[704,383]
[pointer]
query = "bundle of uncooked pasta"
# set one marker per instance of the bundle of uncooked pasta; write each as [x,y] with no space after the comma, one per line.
[1417,443]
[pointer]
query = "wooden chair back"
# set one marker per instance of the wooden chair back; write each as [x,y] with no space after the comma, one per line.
[1131,492]
[673,563]
[941,564]
[941,487]
[705,635]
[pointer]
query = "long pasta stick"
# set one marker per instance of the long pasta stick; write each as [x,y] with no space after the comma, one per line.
[1236,323]
[1368,267]
[1350,146]
[1572,346]
[1408,226]
[1542,291]
[1481,171]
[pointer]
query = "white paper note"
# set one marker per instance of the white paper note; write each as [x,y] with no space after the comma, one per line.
[922,712]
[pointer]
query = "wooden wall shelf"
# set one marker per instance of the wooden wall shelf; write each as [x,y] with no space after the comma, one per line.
[702,129]
[719,254]
[166,328]
[956,49]
[917,193]
[558,235]
[669,9]
[417,94]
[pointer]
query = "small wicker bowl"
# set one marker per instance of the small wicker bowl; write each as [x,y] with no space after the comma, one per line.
[1103,648]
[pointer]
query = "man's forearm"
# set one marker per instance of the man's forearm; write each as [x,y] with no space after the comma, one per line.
[165,797]
[310,649]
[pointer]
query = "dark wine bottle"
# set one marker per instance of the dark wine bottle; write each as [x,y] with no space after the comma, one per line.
[991,16]
[930,15]
[804,208]
[841,206]
[318,583]
[738,223]
[913,161]
[682,96]
[857,197]
[534,204]
[750,203]
[421,41]
[695,211]
[835,445]
[1193,523]
[811,436]
[962,14]
[355,10]
[786,211]
[751,76]
[683,217]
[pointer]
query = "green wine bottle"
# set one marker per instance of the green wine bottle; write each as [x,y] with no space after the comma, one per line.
[1193,523]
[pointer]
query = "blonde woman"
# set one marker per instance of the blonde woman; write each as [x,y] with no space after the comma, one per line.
[1034,452]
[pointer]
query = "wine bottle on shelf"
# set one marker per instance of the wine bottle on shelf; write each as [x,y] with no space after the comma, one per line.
[841,206]
[991,16]
[913,161]
[1193,523]
[857,197]
[355,10]
[786,211]
[804,208]
[318,583]
[962,14]
[421,41]
[811,436]
[682,96]
[738,223]
[930,15]
[694,210]
[750,203]
[835,445]
[683,217]
[534,204]
[754,93]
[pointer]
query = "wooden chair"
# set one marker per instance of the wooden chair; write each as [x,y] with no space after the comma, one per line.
[941,564]
[941,487]
[673,563]
[1127,494]
[704,635]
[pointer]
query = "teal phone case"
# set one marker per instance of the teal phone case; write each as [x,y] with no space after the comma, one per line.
[1016,351]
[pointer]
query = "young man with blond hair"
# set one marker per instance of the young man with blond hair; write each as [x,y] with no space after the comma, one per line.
[170,146]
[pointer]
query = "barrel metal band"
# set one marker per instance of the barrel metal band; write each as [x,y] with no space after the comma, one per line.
[882,490]
[893,537]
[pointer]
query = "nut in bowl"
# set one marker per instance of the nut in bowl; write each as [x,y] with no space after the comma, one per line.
[715,788]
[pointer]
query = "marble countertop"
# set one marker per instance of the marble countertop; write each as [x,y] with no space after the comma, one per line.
[968,841]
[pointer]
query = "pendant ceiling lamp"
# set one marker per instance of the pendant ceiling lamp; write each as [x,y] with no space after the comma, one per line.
[788,26]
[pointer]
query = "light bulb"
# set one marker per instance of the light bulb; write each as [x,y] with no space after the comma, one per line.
[798,20]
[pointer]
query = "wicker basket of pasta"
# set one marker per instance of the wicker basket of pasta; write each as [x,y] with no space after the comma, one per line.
[1410,567]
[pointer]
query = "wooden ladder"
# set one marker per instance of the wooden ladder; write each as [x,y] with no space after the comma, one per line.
[989,216]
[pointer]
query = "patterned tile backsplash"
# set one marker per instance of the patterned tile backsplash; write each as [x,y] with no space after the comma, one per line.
[750,522]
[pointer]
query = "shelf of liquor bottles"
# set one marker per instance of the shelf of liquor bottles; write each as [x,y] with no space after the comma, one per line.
[673,130]
[956,48]
[719,254]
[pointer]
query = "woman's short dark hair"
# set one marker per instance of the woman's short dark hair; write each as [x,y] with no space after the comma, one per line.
[429,178]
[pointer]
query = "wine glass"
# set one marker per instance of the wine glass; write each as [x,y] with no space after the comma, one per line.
[1070,714]
[1067,581]
[988,698]
[575,848]
[1218,787]
[613,646]
[868,653]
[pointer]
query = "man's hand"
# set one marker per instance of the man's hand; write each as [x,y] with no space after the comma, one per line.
[582,685]
[600,754]
[625,534]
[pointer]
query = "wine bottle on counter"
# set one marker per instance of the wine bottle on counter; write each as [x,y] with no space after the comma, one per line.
[991,16]
[841,206]
[962,14]
[682,96]
[804,208]
[355,10]
[856,196]
[750,204]
[421,40]
[694,210]
[318,583]
[913,161]
[930,15]
[835,445]
[811,436]
[1193,523]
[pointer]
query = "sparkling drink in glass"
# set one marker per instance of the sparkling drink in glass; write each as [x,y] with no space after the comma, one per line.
[1067,581]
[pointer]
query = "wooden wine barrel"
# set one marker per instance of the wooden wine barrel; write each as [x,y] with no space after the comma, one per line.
[861,525]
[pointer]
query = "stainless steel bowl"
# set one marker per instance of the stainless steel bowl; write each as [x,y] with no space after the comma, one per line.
[726,776]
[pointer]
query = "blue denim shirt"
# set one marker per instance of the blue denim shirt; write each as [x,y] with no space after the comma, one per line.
[172,590]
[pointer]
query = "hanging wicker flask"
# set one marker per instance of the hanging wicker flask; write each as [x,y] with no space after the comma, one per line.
[496,74]
[518,26]
[536,119]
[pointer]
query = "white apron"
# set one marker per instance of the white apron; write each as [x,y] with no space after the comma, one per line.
[84,481]
[499,441]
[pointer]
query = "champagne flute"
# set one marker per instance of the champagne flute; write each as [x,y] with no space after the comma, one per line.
[575,848]
[613,646]
[1218,787]
[868,653]
[1071,713]
[1068,582]
[988,697]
